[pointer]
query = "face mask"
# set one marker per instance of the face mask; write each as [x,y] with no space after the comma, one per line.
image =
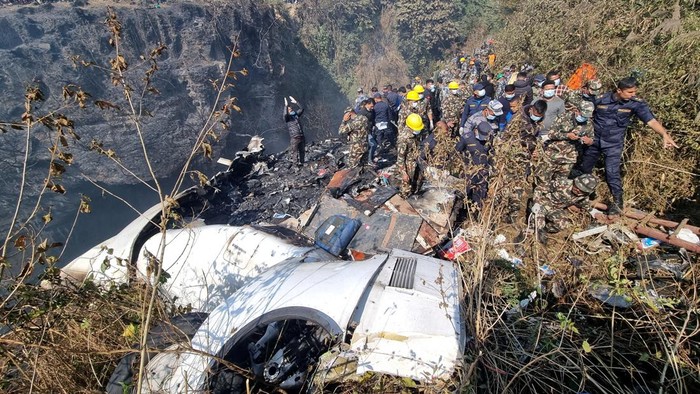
[509,96]
[581,119]
[432,88]
[421,96]
[535,118]
[539,84]
[454,92]
[585,95]
[417,132]
[293,113]
[414,104]
[557,81]
[481,93]
[549,93]
[490,117]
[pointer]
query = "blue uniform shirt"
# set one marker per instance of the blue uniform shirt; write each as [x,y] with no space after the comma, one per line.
[611,118]
[472,106]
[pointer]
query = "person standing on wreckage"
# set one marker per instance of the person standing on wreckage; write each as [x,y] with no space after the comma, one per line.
[356,127]
[409,148]
[297,142]
[612,115]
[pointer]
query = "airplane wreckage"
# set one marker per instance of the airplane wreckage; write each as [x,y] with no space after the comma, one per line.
[332,281]
[300,277]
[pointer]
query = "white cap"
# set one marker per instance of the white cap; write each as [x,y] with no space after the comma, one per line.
[496,107]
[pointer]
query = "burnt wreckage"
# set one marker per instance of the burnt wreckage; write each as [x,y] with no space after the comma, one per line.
[332,280]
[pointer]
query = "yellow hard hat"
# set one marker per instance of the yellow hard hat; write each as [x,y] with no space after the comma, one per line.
[414,122]
[463,59]
[419,89]
[412,95]
[453,85]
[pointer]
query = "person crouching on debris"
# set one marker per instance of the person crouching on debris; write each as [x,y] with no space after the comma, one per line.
[355,127]
[552,205]
[297,142]
[408,149]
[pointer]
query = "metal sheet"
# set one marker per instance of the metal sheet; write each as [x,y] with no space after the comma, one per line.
[384,231]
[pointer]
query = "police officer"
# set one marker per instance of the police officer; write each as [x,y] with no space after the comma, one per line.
[613,113]
[477,103]
[475,143]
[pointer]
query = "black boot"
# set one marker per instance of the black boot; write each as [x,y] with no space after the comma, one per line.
[615,208]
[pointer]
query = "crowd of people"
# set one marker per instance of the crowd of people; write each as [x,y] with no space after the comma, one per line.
[540,136]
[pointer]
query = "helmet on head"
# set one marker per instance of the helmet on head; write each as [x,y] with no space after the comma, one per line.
[586,183]
[453,85]
[462,59]
[414,122]
[586,108]
[412,95]
[419,89]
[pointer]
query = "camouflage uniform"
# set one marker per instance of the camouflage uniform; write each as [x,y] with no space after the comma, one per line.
[407,108]
[512,163]
[553,203]
[408,148]
[356,129]
[560,153]
[451,108]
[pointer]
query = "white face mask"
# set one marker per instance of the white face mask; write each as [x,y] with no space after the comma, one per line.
[535,118]
[509,96]
[414,104]
[490,117]
[557,81]
[581,118]
[421,96]
[481,93]
[549,93]
[454,91]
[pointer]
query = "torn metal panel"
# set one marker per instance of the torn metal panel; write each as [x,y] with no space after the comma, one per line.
[437,206]
[369,200]
[384,231]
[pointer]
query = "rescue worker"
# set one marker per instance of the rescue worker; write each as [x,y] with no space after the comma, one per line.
[355,128]
[475,142]
[297,142]
[569,134]
[478,102]
[552,205]
[451,107]
[513,152]
[408,147]
[613,114]
[412,105]
[424,106]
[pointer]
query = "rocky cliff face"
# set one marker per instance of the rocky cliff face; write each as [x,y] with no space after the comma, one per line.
[37,43]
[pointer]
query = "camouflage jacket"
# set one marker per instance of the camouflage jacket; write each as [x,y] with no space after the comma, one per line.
[559,148]
[558,195]
[451,108]
[407,108]
[408,150]
[356,129]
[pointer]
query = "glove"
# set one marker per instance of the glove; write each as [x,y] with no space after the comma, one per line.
[286,104]
[292,100]
[432,126]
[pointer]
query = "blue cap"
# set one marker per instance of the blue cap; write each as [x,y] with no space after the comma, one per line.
[478,86]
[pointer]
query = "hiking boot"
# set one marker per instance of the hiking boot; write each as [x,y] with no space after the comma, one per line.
[615,208]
